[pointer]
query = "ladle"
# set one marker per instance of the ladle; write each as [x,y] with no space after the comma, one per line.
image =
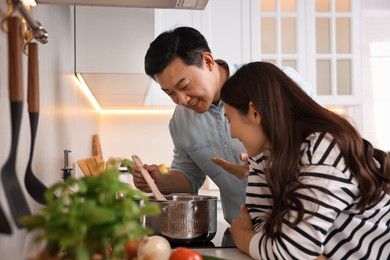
[148,179]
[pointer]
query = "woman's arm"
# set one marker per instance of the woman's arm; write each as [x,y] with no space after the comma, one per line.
[242,230]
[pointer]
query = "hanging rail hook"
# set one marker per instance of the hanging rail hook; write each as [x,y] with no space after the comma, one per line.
[9,12]
[28,35]
[39,33]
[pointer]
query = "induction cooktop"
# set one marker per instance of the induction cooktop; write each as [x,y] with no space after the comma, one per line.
[222,239]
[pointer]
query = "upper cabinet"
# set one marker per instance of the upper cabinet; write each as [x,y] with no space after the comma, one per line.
[174,4]
[335,51]
[111,39]
[226,24]
[319,38]
[110,46]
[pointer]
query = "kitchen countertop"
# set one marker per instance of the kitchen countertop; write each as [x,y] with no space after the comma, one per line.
[224,245]
[223,253]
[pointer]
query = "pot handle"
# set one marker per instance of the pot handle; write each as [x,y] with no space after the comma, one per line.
[194,206]
[164,207]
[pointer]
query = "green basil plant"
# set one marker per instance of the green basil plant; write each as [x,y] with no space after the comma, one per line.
[90,215]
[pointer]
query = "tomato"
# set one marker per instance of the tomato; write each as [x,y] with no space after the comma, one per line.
[131,248]
[184,253]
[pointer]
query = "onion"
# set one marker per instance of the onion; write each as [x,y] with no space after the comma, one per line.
[154,248]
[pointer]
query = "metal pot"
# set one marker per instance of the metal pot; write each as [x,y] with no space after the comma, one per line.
[185,218]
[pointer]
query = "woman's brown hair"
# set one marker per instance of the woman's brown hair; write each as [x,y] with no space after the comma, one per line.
[289,115]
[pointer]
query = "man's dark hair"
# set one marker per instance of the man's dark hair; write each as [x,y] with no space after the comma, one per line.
[186,43]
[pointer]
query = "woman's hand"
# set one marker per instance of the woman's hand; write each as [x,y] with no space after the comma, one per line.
[242,230]
[238,170]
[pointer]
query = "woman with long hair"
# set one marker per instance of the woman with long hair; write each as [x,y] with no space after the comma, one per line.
[315,186]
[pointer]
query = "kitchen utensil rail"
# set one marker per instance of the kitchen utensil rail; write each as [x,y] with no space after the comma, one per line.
[39,33]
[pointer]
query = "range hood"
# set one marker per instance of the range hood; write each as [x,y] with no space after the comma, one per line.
[172,4]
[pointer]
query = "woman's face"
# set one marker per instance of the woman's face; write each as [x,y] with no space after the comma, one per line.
[190,86]
[247,129]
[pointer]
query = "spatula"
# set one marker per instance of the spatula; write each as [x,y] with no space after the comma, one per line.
[14,193]
[34,186]
[148,179]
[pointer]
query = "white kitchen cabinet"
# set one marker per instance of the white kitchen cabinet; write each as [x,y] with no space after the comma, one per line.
[320,39]
[112,39]
[110,45]
[224,23]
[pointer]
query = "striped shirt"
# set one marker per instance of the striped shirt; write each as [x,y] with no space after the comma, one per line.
[332,225]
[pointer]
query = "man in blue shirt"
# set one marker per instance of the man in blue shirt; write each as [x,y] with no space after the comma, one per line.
[180,61]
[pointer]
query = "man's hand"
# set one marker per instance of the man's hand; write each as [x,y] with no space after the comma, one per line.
[238,170]
[170,182]
[140,182]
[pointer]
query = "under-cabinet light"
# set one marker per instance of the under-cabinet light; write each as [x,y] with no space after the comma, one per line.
[134,111]
[87,92]
[30,2]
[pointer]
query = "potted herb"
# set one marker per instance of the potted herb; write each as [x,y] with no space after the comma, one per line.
[89,215]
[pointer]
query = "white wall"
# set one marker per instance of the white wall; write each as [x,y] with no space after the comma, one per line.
[375,72]
[66,120]
[145,135]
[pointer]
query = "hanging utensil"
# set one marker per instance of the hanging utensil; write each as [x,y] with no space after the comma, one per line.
[148,179]
[5,228]
[34,186]
[14,193]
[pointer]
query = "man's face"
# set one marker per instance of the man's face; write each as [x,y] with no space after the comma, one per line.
[188,85]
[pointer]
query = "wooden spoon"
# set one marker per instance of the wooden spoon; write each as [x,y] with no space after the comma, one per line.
[148,179]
